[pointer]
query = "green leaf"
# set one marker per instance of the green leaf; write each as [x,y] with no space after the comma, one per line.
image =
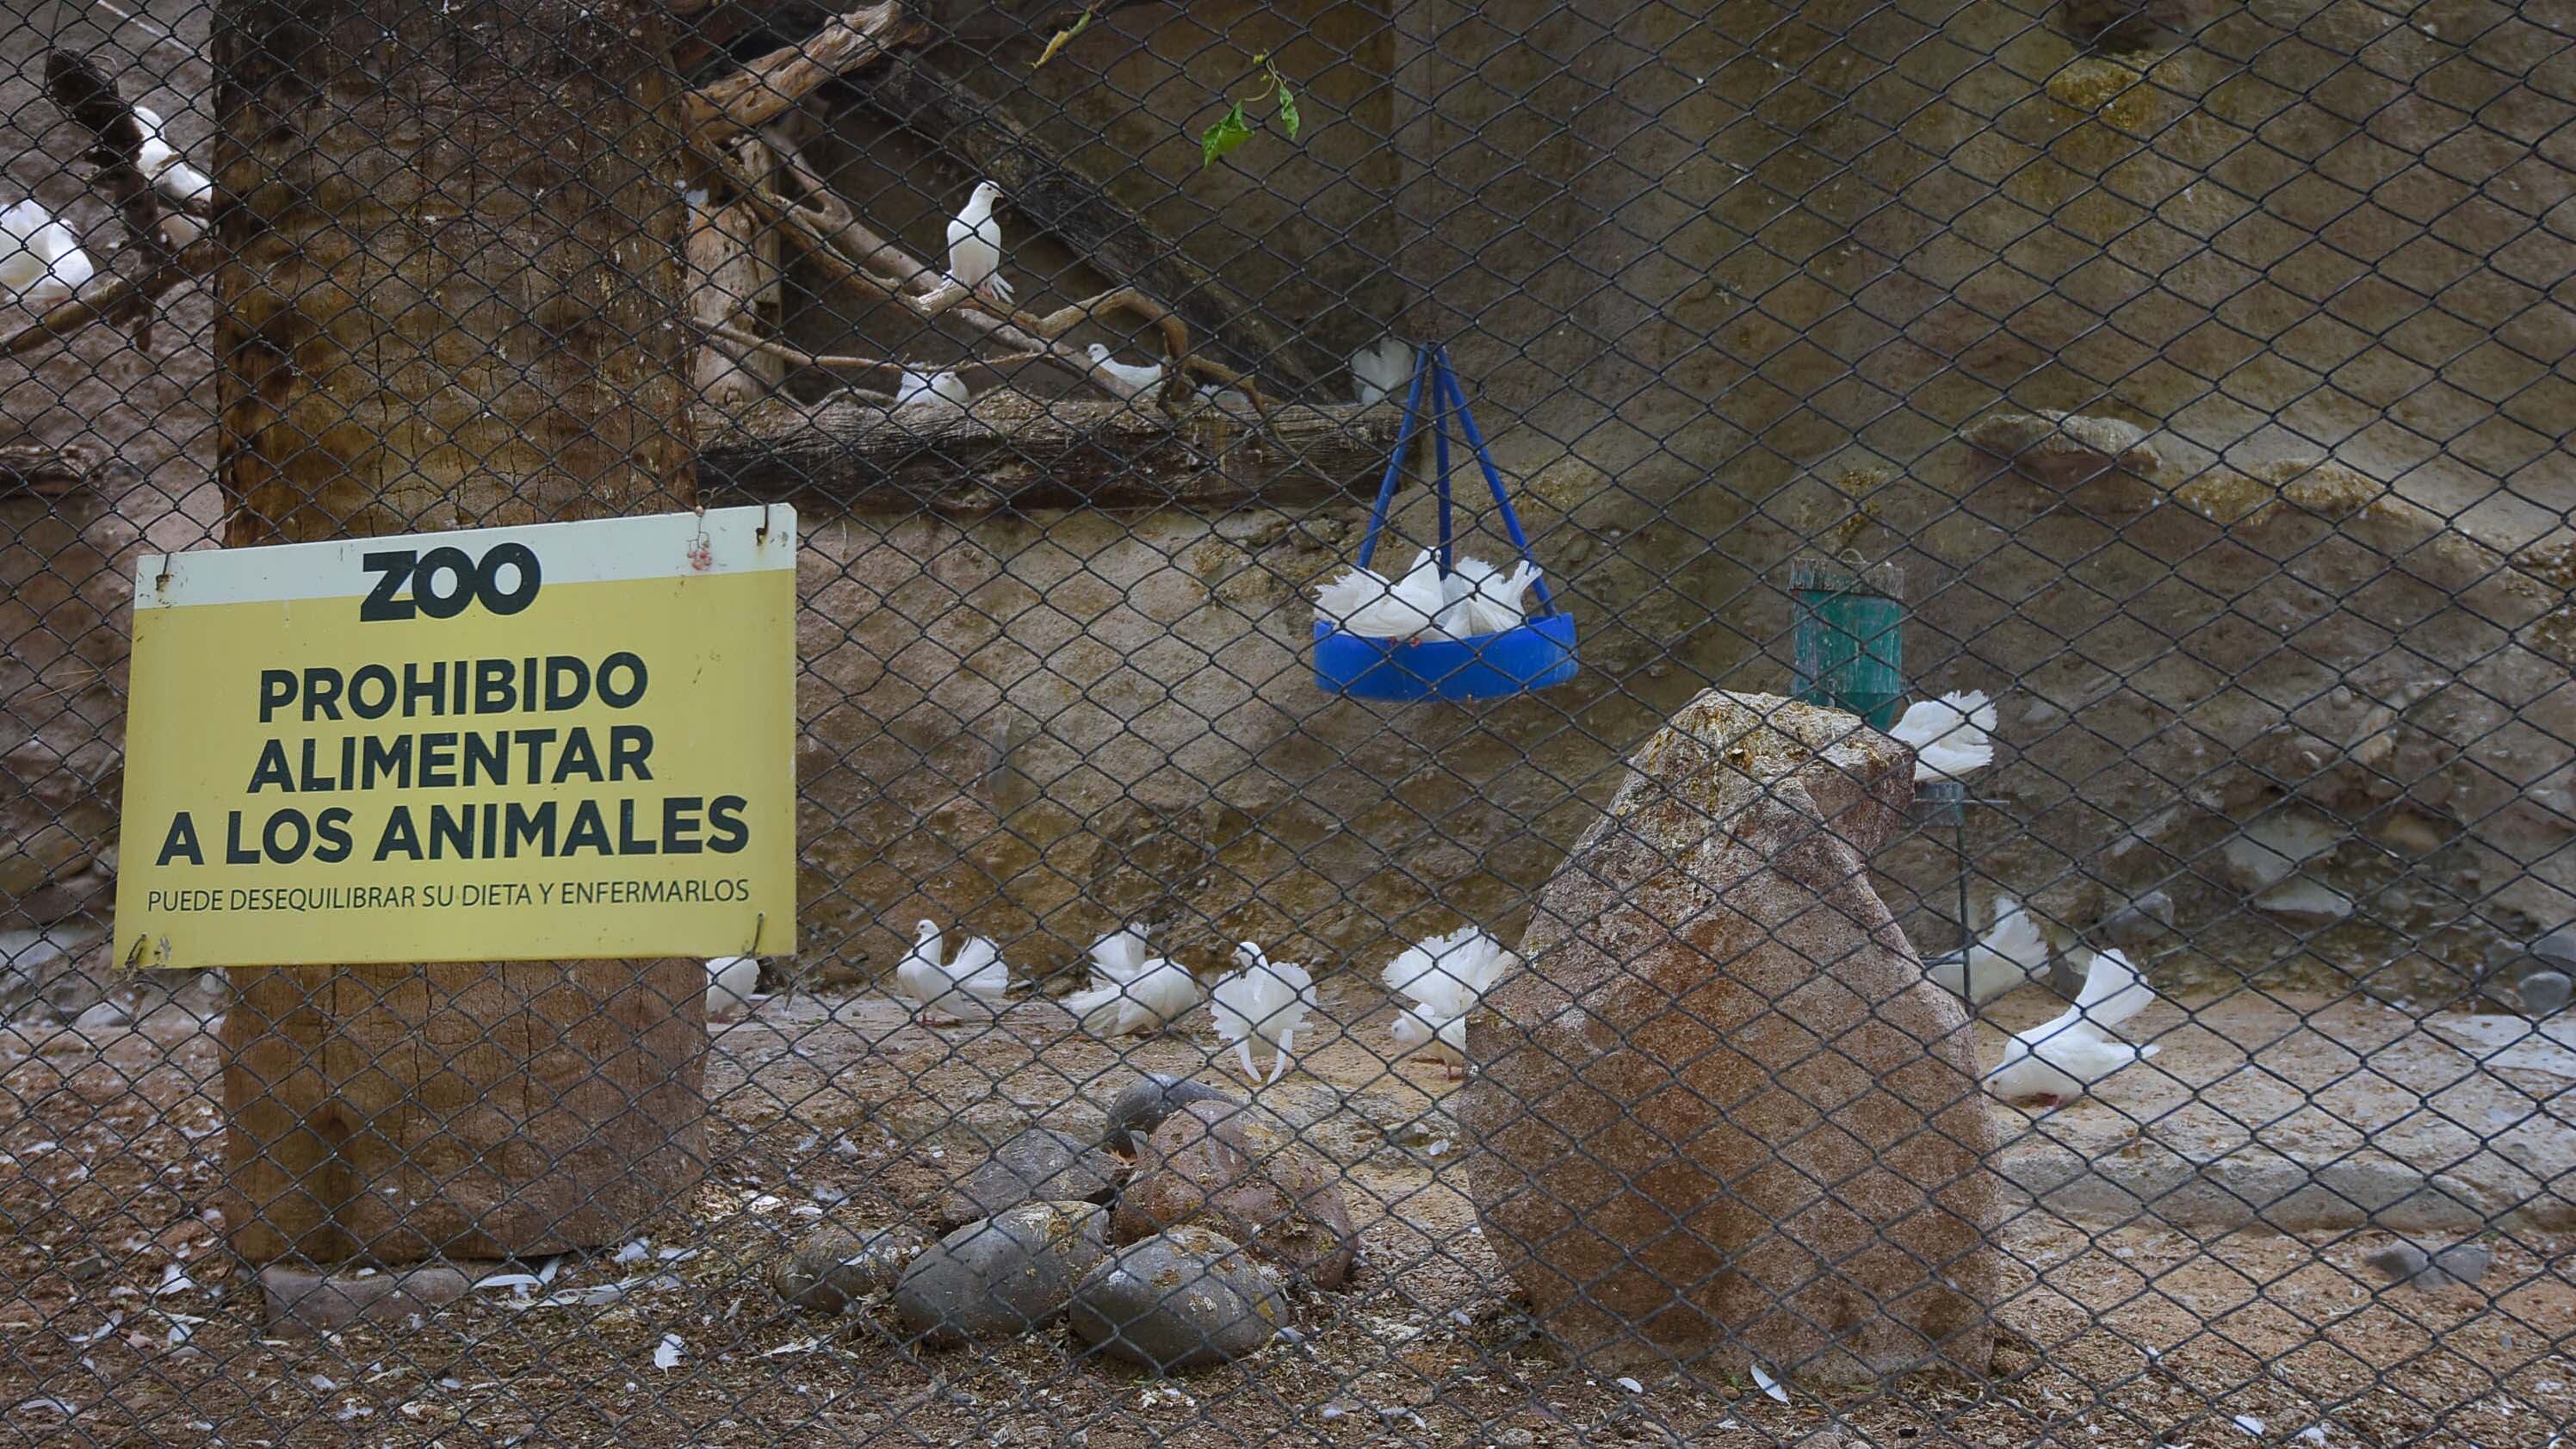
[1287,107]
[1229,132]
[1062,39]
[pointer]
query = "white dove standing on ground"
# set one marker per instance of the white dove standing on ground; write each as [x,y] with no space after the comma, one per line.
[175,179]
[1138,380]
[1381,370]
[975,245]
[1951,736]
[1363,603]
[947,390]
[1445,977]
[2012,951]
[39,258]
[730,983]
[1262,1001]
[2054,1062]
[975,980]
[1132,990]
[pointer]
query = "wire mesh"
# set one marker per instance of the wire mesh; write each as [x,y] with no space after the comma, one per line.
[1179,1050]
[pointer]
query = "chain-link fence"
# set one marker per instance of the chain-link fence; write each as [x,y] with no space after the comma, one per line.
[1422,491]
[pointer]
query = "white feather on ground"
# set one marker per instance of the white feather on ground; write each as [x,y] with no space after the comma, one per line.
[40,260]
[1262,1001]
[1137,380]
[1381,370]
[1951,736]
[974,981]
[174,178]
[2056,1061]
[1483,599]
[1131,989]
[975,245]
[2012,952]
[1444,977]
[946,390]
[730,982]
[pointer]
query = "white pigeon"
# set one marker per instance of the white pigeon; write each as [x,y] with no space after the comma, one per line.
[1445,977]
[1950,736]
[1132,990]
[975,245]
[947,390]
[2012,951]
[40,260]
[2054,1062]
[975,980]
[1137,380]
[1363,603]
[1263,1001]
[1483,599]
[730,983]
[1381,370]
[176,180]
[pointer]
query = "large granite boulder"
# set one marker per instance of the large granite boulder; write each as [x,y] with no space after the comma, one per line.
[1723,1116]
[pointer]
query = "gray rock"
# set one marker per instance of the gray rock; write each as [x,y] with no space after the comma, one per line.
[1041,1164]
[2131,21]
[1141,1108]
[2409,1265]
[2140,926]
[1001,1276]
[316,1303]
[1183,1299]
[110,1015]
[834,1268]
[2558,948]
[2544,993]
[2065,449]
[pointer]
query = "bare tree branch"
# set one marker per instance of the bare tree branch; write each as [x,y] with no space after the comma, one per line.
[761,91]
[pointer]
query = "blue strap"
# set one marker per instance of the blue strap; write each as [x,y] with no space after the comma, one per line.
[1493,479]
[1436,362]
[1395,462]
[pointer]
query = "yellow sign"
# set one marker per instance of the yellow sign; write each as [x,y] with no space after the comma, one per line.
[506,744]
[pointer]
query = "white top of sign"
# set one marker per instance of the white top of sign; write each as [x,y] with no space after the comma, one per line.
[655,546]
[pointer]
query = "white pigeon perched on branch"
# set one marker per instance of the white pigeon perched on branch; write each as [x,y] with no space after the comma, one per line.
[1951,736]
[40,260]
[946,390]
[974,981]
[1483,599]
[1363,603]
[730,982]
[1444,977]
[176,180]
[975,245]
[1137,380]
[1381,370]
[1263,1001]
[1132,990]
[2053,1063]
[2012,952]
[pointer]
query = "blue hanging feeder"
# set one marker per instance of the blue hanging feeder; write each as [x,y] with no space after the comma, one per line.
[1531,655]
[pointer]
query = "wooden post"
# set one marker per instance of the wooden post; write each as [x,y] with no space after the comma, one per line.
[452,296]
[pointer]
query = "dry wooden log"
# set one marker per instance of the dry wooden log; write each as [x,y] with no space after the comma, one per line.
[760,92]
[30,467]
[729,279]
[1013,450]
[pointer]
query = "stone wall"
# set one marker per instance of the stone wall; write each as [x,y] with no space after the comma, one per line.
[1728,282]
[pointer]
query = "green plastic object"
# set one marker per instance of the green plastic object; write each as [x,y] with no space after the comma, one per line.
[1850,638]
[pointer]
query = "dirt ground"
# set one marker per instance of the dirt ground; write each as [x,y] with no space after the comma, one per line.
[119,1310]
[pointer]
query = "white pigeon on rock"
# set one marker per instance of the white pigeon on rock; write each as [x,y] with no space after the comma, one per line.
[176,180]
[2054,1062]
[2012,952]
[1483,599]
[1951,736]
[1132,990]
[1137,380]
[945,390]
[730,982]
[1264,1001]
[975,245]
[1444,977]
[1381,370]
[945,989]
[40,261]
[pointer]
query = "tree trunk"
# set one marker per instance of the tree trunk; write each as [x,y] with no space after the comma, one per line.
[454,298]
